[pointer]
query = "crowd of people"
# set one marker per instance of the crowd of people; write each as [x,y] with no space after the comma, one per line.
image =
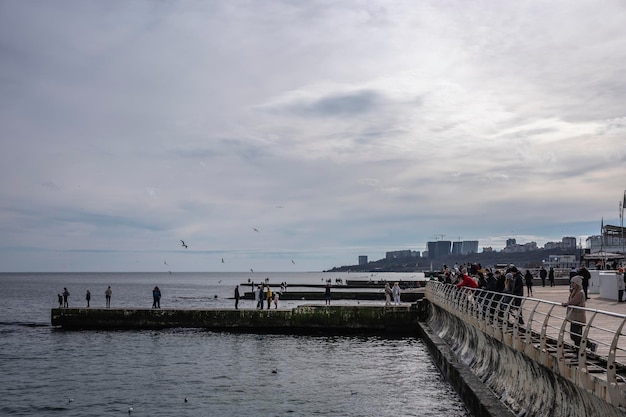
[263,294]
[507,290]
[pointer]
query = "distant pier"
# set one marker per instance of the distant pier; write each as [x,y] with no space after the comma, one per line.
[398,320]
[343,293]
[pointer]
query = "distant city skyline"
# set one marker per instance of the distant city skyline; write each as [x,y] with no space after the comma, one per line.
[512,246]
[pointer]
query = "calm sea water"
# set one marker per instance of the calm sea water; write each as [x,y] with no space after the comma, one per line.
[50,372]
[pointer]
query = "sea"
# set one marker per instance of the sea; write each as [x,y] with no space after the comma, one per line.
[47,371]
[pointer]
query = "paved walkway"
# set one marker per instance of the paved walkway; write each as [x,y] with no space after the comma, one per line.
[560,294]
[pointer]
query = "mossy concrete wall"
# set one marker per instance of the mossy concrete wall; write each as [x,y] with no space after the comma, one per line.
[379,319]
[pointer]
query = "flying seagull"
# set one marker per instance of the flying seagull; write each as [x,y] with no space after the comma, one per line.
[183,242]
[255,229]
[293,262]
[251,270]
[222,260]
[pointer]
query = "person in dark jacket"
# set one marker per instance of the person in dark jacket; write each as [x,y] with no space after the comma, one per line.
[518,290]
[528,278]
[66,295]
[543,274]
[551,277]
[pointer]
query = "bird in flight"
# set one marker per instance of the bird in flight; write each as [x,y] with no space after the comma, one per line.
[222,260]
[251,270]
[255,229]
[293,262]
[183,242]
[164,262]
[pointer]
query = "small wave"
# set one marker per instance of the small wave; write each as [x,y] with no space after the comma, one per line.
[23,324]
[22,411]
[50,408]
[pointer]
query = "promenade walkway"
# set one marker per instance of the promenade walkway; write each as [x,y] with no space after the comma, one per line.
[560,293]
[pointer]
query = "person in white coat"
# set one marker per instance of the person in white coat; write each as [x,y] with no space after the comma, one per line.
[396,293]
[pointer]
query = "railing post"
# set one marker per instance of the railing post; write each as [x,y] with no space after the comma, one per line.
[615,393]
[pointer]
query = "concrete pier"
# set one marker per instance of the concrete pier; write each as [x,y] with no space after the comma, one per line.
[400,320]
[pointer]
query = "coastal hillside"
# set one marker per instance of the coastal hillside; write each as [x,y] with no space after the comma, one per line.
[530,259]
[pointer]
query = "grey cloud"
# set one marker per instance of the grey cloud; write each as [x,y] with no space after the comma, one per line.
[338,105]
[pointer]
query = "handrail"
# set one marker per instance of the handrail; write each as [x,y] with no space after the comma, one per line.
[539,329]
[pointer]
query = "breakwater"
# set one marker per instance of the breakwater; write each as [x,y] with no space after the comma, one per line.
[409,296]
[400,320]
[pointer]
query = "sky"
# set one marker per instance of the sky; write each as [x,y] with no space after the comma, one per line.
[298,135]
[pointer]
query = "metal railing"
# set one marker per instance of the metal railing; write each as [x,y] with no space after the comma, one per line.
[539,329]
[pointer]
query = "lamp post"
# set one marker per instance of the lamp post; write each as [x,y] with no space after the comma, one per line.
[580,251]
[621,219]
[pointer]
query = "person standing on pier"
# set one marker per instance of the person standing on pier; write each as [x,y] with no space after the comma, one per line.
[551,276]
[264,289]
[518,291]
[237,297]
[258,293]
[327,293]
[107,295]
[88,297]
[66,295]
[156,298]
[528,278]
[269,296]
[543,274]
[276,297]
[396,293]
[387,294]
[576,316]
[584,272]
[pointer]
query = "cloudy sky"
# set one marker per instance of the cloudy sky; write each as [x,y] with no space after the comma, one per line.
[335,129]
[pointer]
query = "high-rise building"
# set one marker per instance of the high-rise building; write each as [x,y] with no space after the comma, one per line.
[457,248]
[469,246]
[362,259]
[569,242]
[401,254]
[439,248]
